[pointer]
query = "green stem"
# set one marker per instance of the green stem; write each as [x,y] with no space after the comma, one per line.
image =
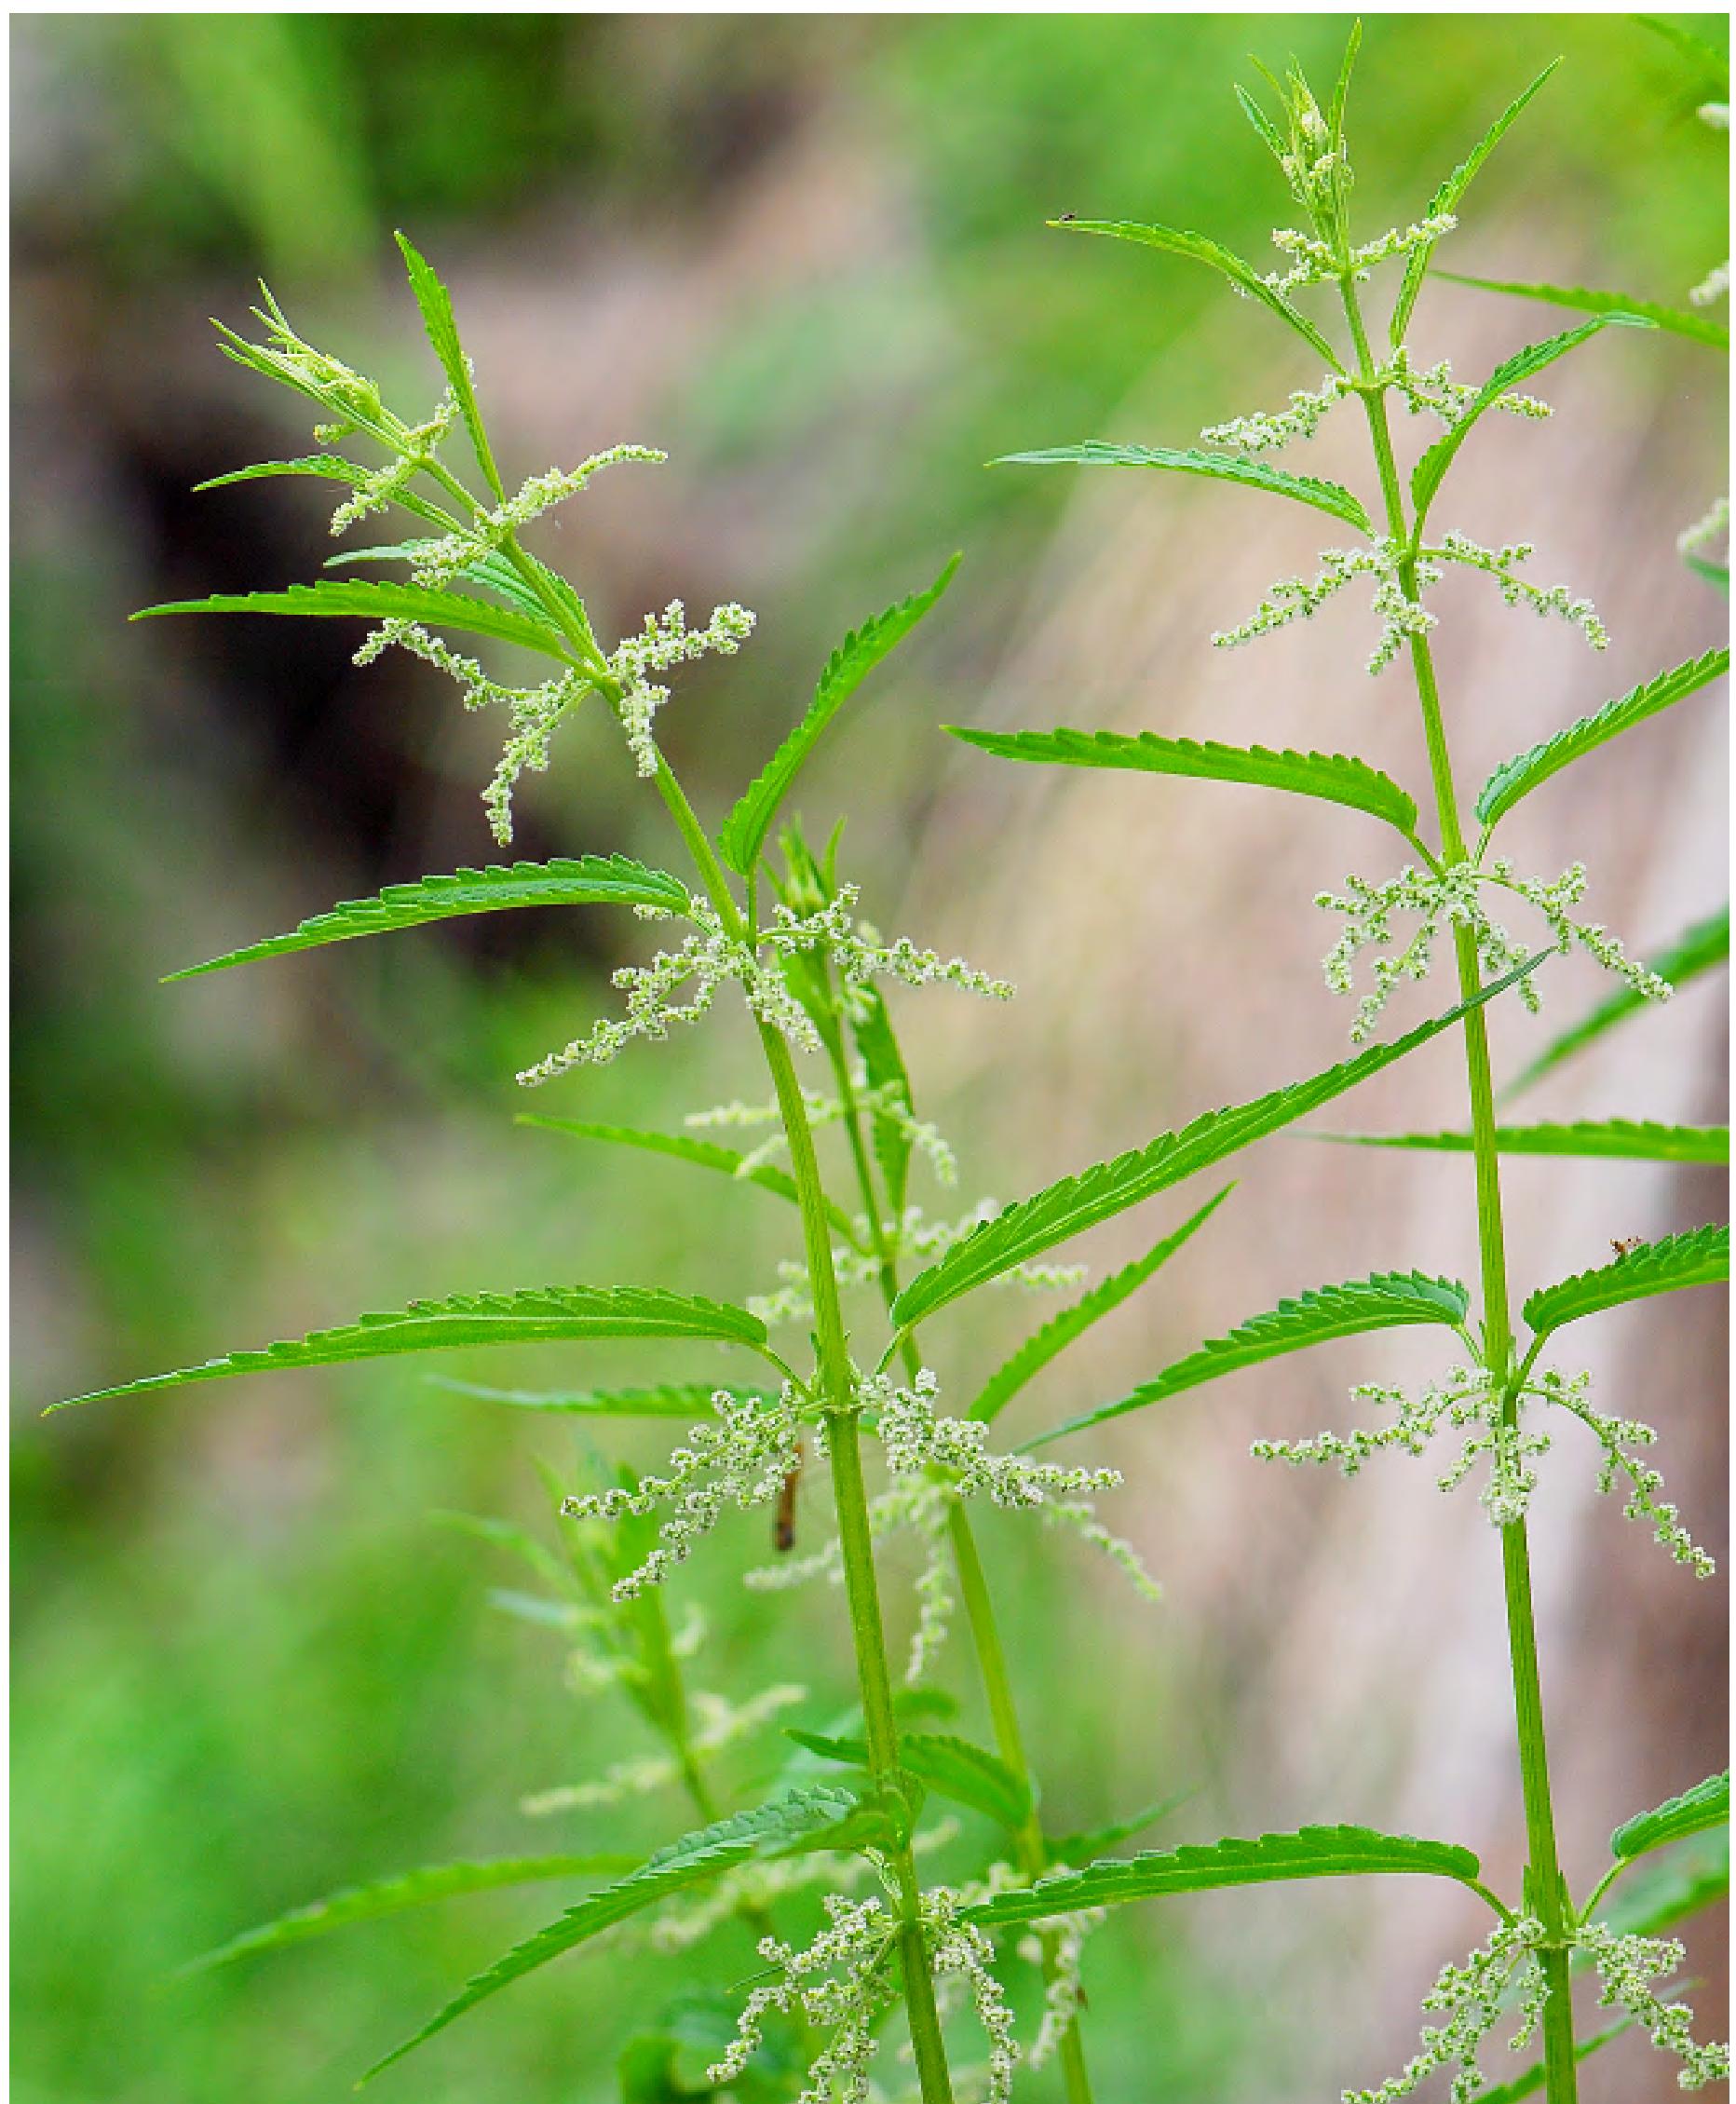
[1030,1846]
[1546,1892]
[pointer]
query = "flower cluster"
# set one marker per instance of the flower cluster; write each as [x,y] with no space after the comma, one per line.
[713,956]
[1499,563]
[915,1439]
[743,1460]
[1060,1949]
[1707,528]
[665,641]
[1431,390]
[1314,262]
[1468,1399]
[844,1980]
[1507,1970]
[889,1102]
[1616,1435]
[378,489]
[436,562]
[1265,431]
[721,1724]
[1450,896]
[1298,598]
[1422,388]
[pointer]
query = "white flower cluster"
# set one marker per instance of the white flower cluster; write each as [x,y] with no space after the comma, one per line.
[1296,599]
[1472,1995]
[535,712]
[436,562]
[721,1724]
[1431,390]
[1265,431]
[1507,1970]
[1543,601]
[915,1439]
[1628,1969]
[1422,388]
[1450,896]
[1061,1950]
[742,1459]
[711,958]
[843,1981]
[1315,262]
[376,490]
[1468,1400]
[667,641]
[1707,528]
[889,1102]
[1615,1435]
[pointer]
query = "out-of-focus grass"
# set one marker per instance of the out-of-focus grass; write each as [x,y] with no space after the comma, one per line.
[247,1667]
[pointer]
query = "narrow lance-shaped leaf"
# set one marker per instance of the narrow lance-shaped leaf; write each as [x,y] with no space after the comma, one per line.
[397,1895]
[354,600]
[1671,1887]
[590,880]
[442,324]
[1385,1302]
[493,572]
[1680,321]
[1449,194]
[687,1400]
[1527,771]
[1696,950]
[551,1314]
[1200,249]
[1331,497]
[745,829]
[1700,1258]
[1609,1139]
[1707,1804]
[1067,1208]
[1427,475]
[1054,1337]
[1335,777]
[952,1767]
[331,468]
[1314,1851]
[701,1154]
[787,1821]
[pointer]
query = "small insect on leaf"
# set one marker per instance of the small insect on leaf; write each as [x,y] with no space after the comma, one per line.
[1624,1245]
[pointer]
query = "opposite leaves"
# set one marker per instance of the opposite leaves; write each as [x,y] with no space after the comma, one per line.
[1700,1258]
[551,1314]
[1387,1300]
[1518,776]
[1221,466]
[744,831]
[1314,1851]
[1335,776]
[590,880]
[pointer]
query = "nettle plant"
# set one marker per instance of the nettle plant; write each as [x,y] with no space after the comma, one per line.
[833,1872]
[1491,1405]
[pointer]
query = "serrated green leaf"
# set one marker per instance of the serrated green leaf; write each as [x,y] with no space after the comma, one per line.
[1091,1842]
[1428,472]
[1692,1875]
[1335,776]
[589,880]
[331,468]
[1698,949]
[1384,1301]
[1054,1337]
[952,1767]
[397,1895]
[1331,497]
[786,1821]
[1449,194]
[1610,1139]
[1527,771]
[871,1025]
[702,1154]
[1698,327]
[1707,1804]
[438,318]
[745,829]
[1200,249]
[1699,1257]
[345,598]
[1314,1852]
[493,572]
[1025,1230]
[537,1315]
[687,1400]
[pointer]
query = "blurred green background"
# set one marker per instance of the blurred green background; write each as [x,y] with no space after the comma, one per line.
[806,255]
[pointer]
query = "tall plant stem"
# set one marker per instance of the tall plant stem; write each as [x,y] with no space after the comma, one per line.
[1030,1846]
[1546,1890]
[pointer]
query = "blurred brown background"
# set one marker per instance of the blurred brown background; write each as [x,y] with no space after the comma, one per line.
[806,255]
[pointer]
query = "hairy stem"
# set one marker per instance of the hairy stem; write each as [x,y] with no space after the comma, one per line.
[1030,1847]
[1546,1892]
